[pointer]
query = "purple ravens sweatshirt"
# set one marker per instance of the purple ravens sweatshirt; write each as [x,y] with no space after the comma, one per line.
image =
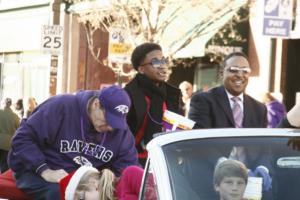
[59,135]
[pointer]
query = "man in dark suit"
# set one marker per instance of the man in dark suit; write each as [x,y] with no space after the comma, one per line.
[228,106]
[213,109]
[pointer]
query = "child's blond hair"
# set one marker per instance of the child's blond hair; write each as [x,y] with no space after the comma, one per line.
[106,180]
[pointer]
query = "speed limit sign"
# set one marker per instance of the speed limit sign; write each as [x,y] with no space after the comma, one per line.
[52,39]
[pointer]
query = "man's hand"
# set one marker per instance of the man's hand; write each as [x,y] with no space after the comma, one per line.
[53,176]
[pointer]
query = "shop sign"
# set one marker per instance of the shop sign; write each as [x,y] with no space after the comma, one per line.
[120,47]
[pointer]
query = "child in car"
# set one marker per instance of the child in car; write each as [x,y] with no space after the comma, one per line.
[230,179]
[87,183]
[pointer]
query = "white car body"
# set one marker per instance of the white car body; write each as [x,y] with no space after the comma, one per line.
[157,163]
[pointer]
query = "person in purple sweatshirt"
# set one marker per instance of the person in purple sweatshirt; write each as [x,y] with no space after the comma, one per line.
[276,110]
[68,131]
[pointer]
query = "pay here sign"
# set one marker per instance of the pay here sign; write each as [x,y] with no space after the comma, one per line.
[277,17]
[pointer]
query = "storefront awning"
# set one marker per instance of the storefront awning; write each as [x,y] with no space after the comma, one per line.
[21,30]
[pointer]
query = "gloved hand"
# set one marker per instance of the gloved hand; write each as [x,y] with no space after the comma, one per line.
[263,172]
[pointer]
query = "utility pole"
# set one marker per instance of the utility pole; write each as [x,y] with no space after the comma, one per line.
[272,64]
[54,58]
[1,80]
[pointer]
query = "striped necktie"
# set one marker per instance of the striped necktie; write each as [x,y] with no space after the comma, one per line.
[237,112]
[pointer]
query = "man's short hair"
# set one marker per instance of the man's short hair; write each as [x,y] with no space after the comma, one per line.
[230,168]
[238,53]
[139,53]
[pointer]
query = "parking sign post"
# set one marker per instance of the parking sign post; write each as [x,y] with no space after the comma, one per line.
[52,43]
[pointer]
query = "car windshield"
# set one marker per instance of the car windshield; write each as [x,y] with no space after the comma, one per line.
[191,165]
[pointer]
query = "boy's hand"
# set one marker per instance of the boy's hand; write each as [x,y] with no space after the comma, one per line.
[263,172]
[53,176]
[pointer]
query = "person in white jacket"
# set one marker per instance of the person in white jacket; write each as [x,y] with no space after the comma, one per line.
[292,119]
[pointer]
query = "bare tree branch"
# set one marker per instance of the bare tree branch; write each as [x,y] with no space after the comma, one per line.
[89,35]
[149,20]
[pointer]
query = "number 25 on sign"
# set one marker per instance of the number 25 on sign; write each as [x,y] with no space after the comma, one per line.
[52,39]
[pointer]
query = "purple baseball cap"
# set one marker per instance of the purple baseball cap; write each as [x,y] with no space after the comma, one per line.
[116,103]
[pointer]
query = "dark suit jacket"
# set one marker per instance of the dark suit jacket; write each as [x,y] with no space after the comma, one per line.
[212,110]
[138,107]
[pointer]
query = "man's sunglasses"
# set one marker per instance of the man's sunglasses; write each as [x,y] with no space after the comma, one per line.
[156,63]
[236,70]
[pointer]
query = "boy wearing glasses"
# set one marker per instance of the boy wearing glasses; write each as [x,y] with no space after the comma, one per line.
[150,95]
[68,131]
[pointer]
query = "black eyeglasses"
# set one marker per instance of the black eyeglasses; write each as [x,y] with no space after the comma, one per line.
[236,70]
[156,63]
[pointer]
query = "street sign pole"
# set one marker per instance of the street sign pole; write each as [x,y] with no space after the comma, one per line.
[277,24]
[54,58]
[119,50]
[272,64]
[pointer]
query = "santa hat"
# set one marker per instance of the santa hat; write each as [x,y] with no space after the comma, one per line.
[69,183]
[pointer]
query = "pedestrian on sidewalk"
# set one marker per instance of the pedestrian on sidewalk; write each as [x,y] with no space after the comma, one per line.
[9,122]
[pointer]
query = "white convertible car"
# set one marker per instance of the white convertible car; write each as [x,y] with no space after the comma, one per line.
[181,164]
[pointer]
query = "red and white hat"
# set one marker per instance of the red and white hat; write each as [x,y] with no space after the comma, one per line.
[69,183]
